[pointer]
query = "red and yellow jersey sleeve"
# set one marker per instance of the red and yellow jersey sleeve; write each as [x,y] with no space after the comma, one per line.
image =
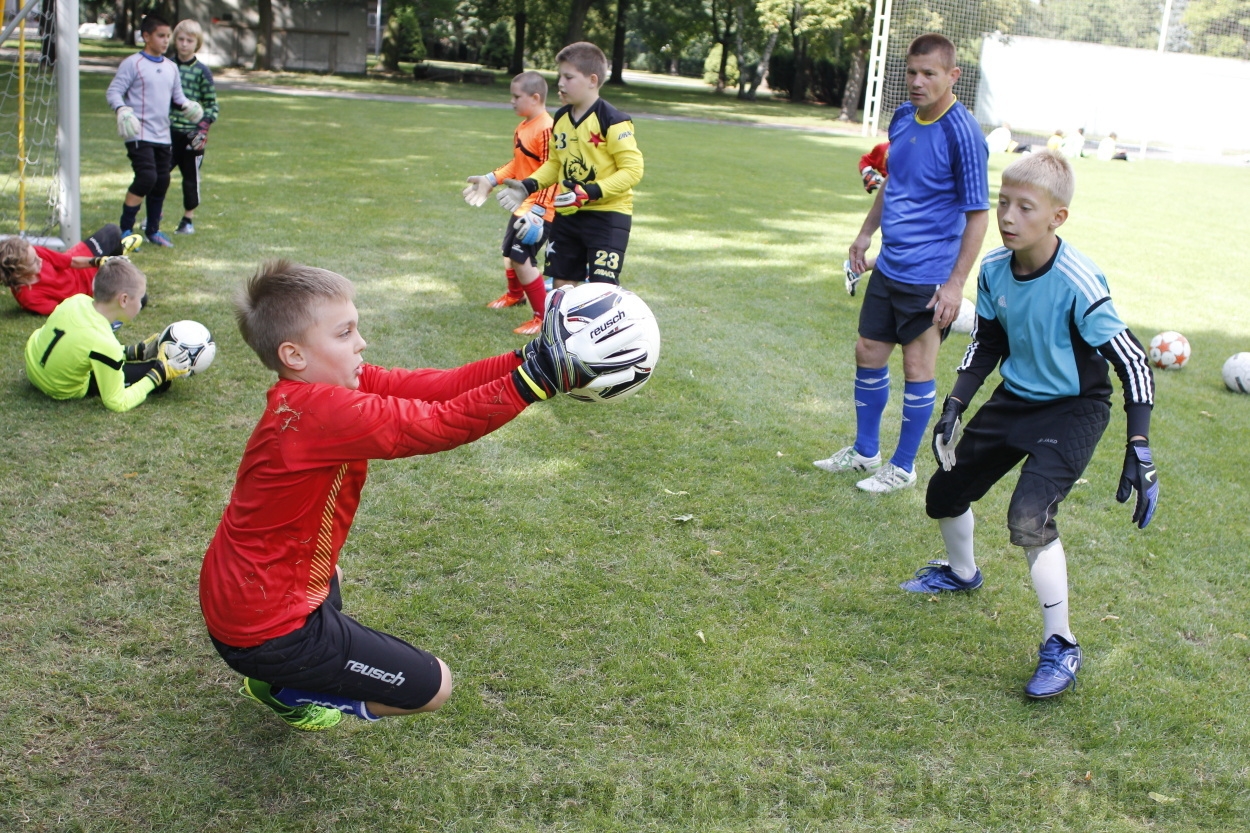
[530,148]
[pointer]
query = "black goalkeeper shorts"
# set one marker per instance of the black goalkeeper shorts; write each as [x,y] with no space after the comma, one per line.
[588,246]
[334,654]
[1055,439]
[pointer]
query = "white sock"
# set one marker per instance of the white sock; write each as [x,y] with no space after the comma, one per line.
[957,534]
[1048,567]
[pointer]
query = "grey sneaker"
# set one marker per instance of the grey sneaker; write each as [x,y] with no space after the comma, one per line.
[889,478]
[848,459]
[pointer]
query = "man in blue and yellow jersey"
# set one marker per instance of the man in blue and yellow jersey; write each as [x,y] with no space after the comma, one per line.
[595,158]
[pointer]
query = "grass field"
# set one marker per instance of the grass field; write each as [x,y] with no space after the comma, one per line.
[751,668]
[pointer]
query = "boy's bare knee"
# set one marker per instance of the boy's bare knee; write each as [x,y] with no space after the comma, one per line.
[444,690]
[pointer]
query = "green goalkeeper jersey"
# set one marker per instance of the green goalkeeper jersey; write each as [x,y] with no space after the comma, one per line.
[75,343]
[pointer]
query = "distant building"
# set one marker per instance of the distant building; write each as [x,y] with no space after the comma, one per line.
[326,36]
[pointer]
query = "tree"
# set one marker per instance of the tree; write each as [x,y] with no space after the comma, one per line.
[264,35]
[618,44]
[1219,27]
[857,37]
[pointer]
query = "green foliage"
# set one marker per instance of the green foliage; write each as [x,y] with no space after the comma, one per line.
[498,49]
[1133,23]
[401,39]
[711,67]
[1219,27]
[659,614]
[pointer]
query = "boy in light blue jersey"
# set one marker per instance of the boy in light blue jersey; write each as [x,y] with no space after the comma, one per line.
[1046,321]
[933,211]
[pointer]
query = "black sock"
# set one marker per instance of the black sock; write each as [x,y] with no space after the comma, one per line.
[129,213]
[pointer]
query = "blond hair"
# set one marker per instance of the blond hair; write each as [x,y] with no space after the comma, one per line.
[13,261]
[1045,170]
[933,42]
[587,58]
[531,83]
[192,28]
[116,276]
[277,305]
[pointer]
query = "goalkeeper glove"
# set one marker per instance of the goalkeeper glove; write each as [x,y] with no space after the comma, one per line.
[872,179]
[162,370]
[947,432]
[478,188]
[127,123]
[199,139]
[143,351]
[192,111]
[97,262]
[529,226]
[574,197]
[852,277]
[557,363]
[515,192]
[1139,473]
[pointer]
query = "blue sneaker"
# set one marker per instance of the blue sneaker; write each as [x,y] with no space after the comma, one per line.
[158,238]
[1058,660]
[938,577]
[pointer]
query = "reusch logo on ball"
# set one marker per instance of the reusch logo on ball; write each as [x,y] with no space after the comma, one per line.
[610,324]
[376,673]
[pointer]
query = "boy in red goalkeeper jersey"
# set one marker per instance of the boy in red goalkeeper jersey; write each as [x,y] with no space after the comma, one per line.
[269,585]
[529,225]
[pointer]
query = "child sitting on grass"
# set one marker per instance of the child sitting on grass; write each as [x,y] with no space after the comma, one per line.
[75,354]
[269,584]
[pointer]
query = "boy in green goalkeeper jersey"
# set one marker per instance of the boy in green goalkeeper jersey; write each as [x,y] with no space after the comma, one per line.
[75,354]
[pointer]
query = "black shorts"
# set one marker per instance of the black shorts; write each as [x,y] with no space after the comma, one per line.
[895,312]
[151,163]
[334,654]
[588,246]
[1055,439]
[106,241]
[519,252]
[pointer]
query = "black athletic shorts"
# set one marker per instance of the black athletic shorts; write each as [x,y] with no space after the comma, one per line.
[334,654]
[588,246]
[1055,439]
[106,241]
[896,312]
[519,252]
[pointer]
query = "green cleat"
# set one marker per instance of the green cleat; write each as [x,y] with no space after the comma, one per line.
[304,718]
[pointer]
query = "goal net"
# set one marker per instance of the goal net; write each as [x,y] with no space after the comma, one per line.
[39,121]
[1155,72]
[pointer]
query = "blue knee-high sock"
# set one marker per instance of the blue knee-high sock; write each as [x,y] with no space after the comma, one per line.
[295,697]
[918,399]
[872,392]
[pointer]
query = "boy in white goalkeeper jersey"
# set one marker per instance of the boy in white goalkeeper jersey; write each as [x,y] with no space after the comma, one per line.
[1046,321]
[147,84]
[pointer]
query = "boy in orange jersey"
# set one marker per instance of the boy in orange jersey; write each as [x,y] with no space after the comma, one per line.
[528,231]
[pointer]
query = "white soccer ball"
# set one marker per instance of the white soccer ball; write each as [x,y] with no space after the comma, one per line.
[189,345]
[1169,350]
[1237,373]
[966,318]
[591,301]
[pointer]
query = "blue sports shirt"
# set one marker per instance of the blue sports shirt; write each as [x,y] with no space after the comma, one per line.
[1055,321]
[938,171]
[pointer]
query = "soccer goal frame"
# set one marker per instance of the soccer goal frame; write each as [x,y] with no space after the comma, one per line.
[67,127]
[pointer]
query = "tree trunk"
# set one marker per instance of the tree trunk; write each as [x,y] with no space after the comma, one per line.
[742,64]
[618,44]
[264,35]
[761,71]
[577,22]
[798,84]
[721,35]
[123,22]
[518,47]
[854,85]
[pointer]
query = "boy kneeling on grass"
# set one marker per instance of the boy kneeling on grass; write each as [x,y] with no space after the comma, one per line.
[1045,319]
[269,585]
[75,354]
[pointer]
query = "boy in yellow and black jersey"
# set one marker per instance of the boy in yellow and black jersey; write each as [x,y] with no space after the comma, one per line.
[595,158]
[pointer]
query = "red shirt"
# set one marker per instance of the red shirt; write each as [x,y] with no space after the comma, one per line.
[876,159]
[299,483]
[56,280]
